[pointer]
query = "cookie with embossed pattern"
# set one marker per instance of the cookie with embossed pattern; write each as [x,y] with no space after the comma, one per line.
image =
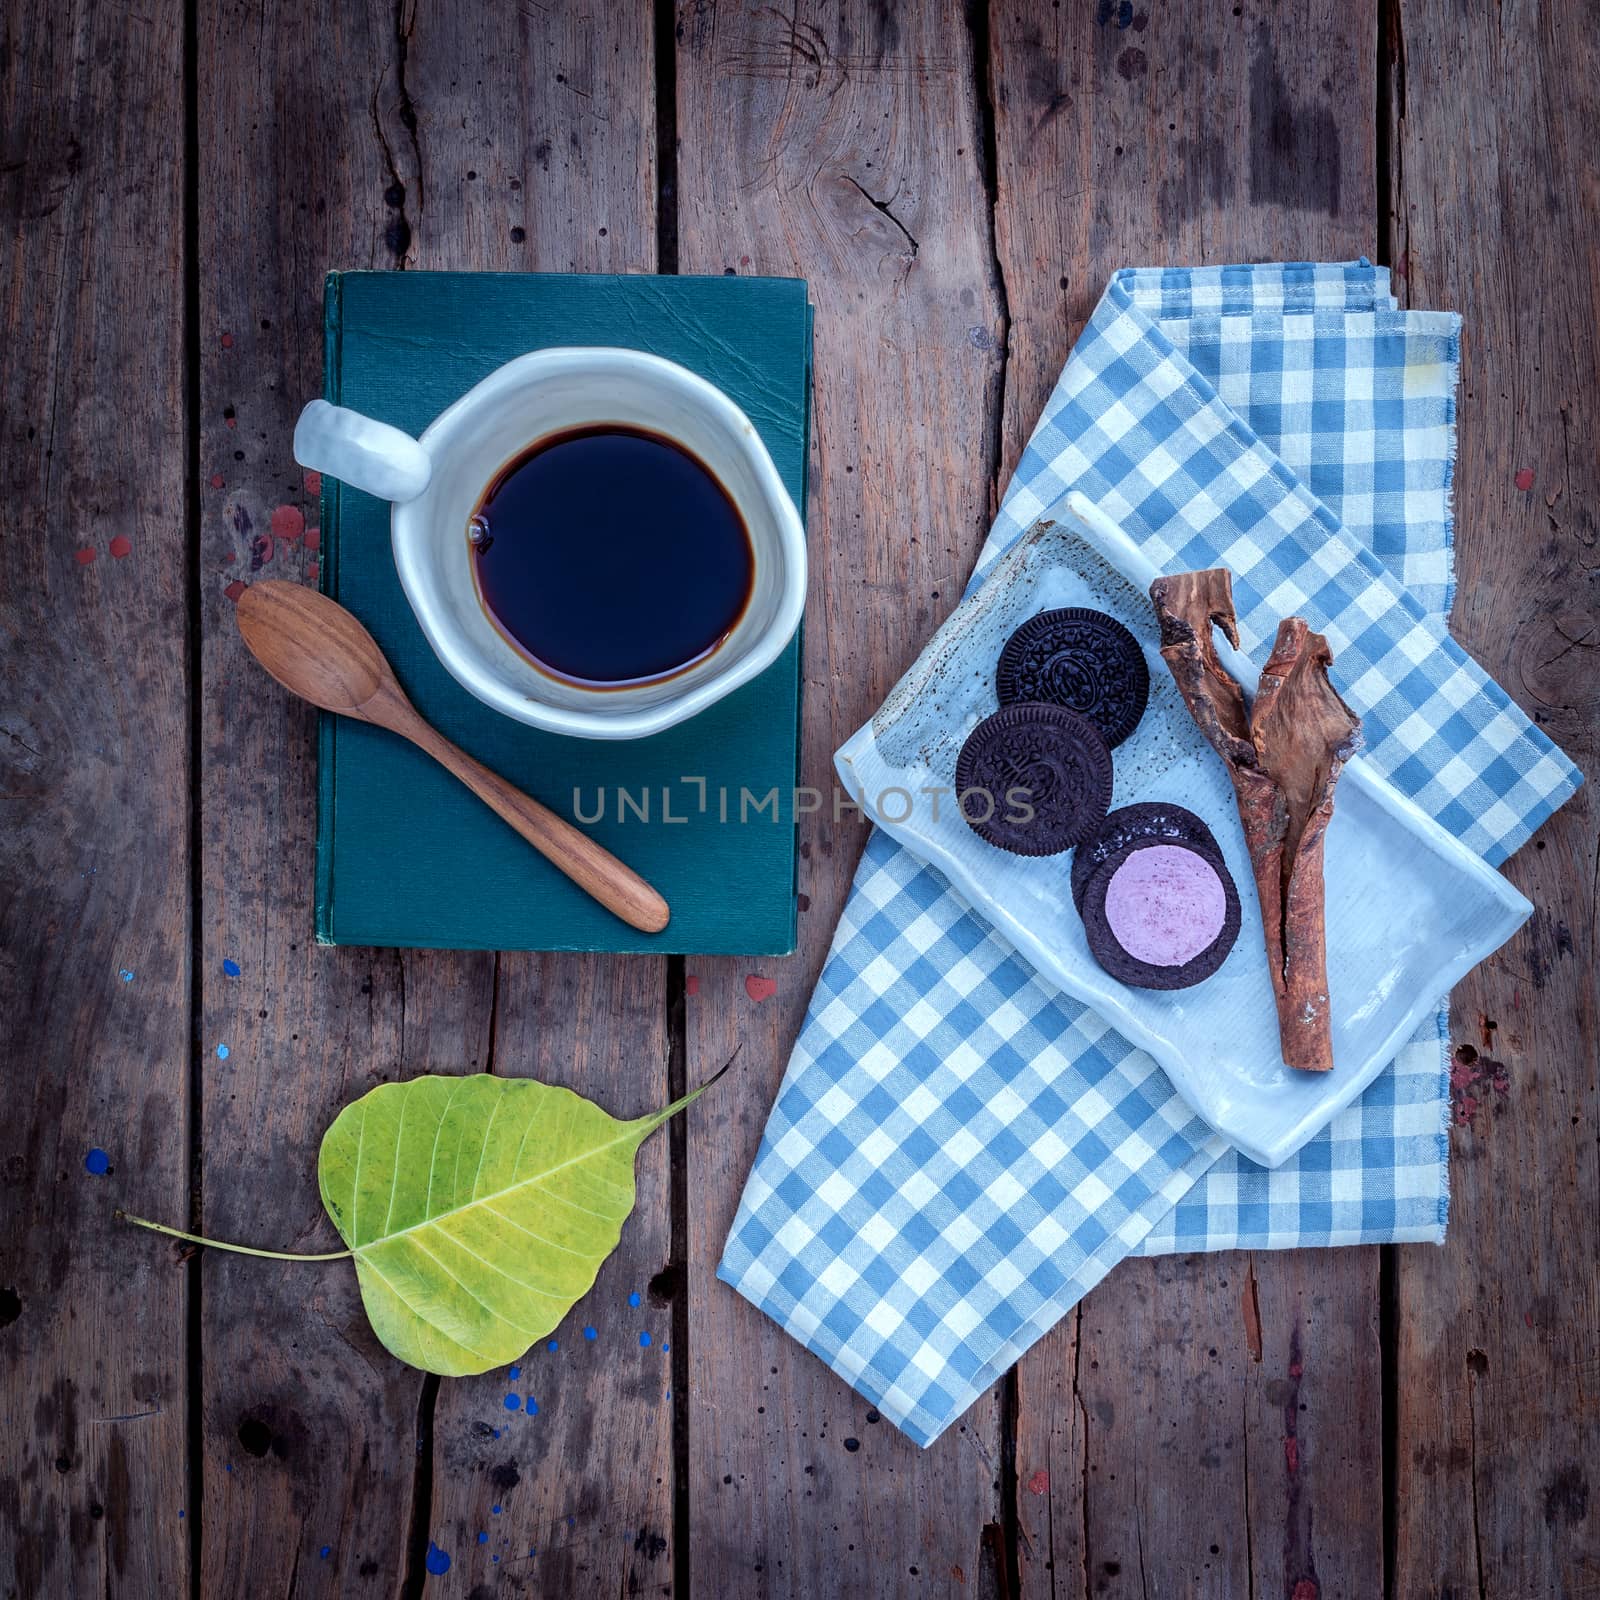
[1034,779]
[1080,659]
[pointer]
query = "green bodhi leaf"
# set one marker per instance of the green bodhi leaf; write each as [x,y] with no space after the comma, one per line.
[477,1210]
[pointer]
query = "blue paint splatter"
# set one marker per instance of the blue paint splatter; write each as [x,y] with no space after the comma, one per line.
[223,1052]
[325,1551]
[633,1299]
[644,1339]
[228,1468]
[589,1333]
[555,1344]
[180,1513]
[230,967]
[665,1348]
[495,1510]
[513,1402]
[97,1162]
[483,1538]
[514,1373]
[125,975]
[438,1563]
[497,1433]
[533,1406]
[494,1558]
[533,1550]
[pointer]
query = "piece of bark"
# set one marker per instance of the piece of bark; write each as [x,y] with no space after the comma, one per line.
[1284,757]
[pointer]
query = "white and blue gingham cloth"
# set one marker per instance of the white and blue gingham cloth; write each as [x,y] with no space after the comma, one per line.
[958,1152]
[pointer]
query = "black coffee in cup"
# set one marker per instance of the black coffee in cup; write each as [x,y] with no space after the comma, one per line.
[609,556]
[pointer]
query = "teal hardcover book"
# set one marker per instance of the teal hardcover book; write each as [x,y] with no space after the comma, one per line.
[705,811]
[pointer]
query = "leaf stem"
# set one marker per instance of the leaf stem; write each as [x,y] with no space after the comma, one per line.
[219,1244]
[651,1123]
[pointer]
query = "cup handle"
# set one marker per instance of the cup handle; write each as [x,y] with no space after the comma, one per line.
[362,452]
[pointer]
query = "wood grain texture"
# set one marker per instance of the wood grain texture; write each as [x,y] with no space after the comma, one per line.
[536,126]
[94,811]
[1132,136]
[310,1429]
[841,143]
[433,137]
[1496,208]
[581,1471]
[1206,1425]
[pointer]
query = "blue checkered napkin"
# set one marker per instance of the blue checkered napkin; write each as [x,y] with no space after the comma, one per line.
[958,1153]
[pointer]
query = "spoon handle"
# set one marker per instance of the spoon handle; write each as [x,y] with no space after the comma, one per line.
[595,870]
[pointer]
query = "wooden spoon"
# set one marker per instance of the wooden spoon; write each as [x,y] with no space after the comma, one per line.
[317,650]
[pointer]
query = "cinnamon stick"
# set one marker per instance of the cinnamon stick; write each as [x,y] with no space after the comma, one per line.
[1284,758]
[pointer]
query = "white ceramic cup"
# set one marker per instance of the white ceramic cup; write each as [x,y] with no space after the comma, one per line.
[437,481]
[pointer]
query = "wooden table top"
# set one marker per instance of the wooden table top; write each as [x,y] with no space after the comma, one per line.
[956,183]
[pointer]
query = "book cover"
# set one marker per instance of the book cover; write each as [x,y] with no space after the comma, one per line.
[705,811]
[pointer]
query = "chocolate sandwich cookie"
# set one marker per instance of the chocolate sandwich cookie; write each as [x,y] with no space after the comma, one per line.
[1146,821]
[1034,779]
[1080,659]
[1160,914]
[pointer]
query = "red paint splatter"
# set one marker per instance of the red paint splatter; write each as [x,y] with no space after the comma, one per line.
[803,901]
[288,523]
[262,549]
[313,481]
[83,557]
[313,538]
[760,989]
[1525,479]
[1475,1081]
[229,558]
[1039,1483]
[1295,1369]
[311,572]
[232,422]
[227,341]
[1306,1589]
[234,590]
[1291,1453]
[120,546]
[691,984]
[216,480]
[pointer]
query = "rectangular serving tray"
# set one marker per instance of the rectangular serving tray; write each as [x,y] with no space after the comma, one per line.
[1410,909]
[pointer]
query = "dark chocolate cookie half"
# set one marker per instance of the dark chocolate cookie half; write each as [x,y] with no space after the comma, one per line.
[1161,914]
[1034,779]
[1157,822]
[1080,659]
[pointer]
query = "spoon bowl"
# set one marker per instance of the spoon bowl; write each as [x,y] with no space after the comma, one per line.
[313,646]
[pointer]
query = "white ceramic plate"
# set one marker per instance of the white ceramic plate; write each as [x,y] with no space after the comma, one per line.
[1410,909]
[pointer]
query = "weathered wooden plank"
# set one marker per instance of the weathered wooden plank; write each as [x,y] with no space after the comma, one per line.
[537,136]
[574,1487]
[1151,1430]
[840,143]
[434,138]
[1496,120]
[94,809]
[310,1431]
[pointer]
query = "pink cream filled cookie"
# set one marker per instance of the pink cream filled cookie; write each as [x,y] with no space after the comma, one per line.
[1166,905]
